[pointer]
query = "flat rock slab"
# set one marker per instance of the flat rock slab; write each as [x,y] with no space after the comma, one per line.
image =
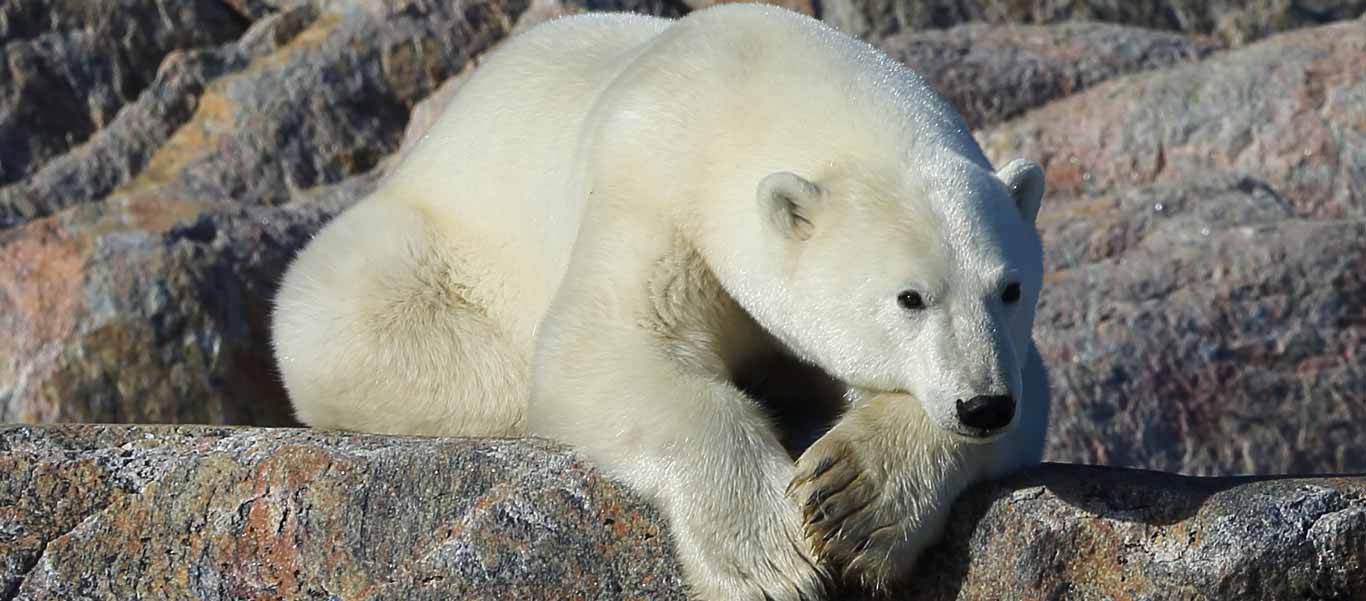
[122,512]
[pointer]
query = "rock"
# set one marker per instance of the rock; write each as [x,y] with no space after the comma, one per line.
[995,72]
[215,513]
[1234,21]
[1206,242]
[1077,532]
[306,97]
[807,7]
[222,513]
[71,66]
[146,309]
[1288,109]
[113,154]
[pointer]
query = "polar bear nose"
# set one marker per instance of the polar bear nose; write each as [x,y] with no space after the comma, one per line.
[986,412]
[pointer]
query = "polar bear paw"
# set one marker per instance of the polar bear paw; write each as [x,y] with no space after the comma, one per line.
[783,574]
[853,518]
[753,551]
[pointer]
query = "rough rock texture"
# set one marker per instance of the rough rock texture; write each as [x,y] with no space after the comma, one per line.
[1235,21]
[120,512]
[70,66]
[146,310]
[801,6]
[214,513]
[1289,110]
[1087,533]
[305,97]
[1206,235]
[992,73]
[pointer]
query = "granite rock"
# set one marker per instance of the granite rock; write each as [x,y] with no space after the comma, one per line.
[305,97]
[1291,110]
[147,309]
[70,66]
[1205,234]
[1080,533]
[1234,21]
[995,72]
[216,513]
[117,512]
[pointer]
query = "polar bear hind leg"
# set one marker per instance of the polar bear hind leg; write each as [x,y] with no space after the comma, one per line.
[380,328]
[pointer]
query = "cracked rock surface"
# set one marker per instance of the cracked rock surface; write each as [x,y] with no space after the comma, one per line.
[180,512]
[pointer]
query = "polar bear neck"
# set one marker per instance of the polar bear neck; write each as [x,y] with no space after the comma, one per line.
[703,329]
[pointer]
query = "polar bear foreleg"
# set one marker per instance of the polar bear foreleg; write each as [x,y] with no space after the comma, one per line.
[736,533]
[699,449]
[877,489]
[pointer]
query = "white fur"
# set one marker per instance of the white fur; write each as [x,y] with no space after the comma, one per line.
[591,243]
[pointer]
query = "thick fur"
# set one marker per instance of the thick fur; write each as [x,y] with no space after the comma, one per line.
[623,226]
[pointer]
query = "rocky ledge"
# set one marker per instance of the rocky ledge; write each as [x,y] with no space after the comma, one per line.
[175,512]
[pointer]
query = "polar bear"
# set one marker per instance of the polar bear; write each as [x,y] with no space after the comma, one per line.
[687,248]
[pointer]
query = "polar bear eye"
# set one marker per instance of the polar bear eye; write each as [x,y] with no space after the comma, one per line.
[911,300]
[1011,295]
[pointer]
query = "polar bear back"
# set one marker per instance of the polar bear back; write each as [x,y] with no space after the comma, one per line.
[733,93]
[498,167]
[510,166]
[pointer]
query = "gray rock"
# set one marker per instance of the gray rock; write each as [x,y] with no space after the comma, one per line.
[213,513]
[995,72]
[1288,110]
[306,97]
[69,66]
[1206,236]
[1087,533]
[113,154]
[147,310]
[116,512]
[1234,21]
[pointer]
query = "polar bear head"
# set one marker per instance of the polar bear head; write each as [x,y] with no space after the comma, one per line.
[924,283]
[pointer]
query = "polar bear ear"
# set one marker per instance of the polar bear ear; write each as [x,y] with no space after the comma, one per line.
[791,203]
[1024,179]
